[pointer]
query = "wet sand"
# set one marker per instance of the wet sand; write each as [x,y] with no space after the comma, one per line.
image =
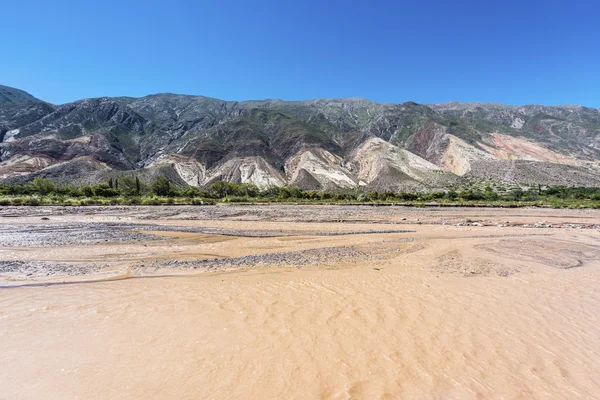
[341,303]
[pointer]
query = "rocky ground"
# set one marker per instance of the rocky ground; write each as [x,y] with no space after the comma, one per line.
[46,242]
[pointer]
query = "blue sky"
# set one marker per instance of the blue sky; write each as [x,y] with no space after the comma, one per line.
[514,52]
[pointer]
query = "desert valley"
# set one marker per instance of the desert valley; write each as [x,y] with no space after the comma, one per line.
[276,301]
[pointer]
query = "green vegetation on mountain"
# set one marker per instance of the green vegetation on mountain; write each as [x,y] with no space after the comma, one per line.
[324,144]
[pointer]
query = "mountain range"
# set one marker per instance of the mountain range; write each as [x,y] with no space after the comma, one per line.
[324,144]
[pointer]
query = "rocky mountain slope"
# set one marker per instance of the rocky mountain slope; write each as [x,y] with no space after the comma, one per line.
[332,144]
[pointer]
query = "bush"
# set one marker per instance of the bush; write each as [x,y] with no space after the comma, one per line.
[284,193]
[103,190]
[516,194]
[236,199]
[270,191]
[221,189]
[470,195]
[363,198]
[490,195]
[451,195]
[250,190]
[339,196]
[297,193]
[130,186]
[32,201]
[407,196]
[87,191]
[152,201]
[161,186]
[194,192]
[43,186]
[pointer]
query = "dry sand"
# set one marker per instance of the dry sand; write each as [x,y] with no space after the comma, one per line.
[299,303]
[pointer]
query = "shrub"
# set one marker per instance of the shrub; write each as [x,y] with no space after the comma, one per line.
[32,201]
[250,190]
[339,197]
[270,191]
[451,195]
[152,201]
[194,192]
[87,191]
[44,186]
[219,189]
[407,196]
[516,194]
[297,193]
[470,195]
[236,199]
[363,198]
[130,186]
[490,195]
[103,190]
[160,186]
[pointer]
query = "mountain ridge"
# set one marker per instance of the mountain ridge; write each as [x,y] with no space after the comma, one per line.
[321,143]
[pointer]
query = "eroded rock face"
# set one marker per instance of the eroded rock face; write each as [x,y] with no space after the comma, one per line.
[317,144]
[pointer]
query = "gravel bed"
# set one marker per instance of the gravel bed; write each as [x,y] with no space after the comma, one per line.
[50,235]
[64,234]
[325,256]
[33,269]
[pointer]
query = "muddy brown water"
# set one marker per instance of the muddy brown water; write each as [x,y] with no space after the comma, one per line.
[486,315]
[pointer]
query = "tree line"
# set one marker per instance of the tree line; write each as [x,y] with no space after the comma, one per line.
[132,186]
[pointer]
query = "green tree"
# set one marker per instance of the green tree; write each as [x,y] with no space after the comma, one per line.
[516,194]
[219,189]
[297,193]
[284,193]
[489,194]
[44,186]
[87,191]
[161,186]
[373,195]
[104,190]
[250,190]
[451,195]
[130,186]
[270,191]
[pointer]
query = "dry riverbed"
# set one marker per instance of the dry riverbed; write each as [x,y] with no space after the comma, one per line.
[284,301]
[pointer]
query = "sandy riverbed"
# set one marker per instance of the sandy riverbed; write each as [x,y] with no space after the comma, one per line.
[299,302]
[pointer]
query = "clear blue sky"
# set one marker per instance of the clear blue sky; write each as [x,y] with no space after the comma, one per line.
[514,52]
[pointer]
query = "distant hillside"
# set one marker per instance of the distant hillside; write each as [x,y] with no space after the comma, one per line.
[9,95]
[332,144]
